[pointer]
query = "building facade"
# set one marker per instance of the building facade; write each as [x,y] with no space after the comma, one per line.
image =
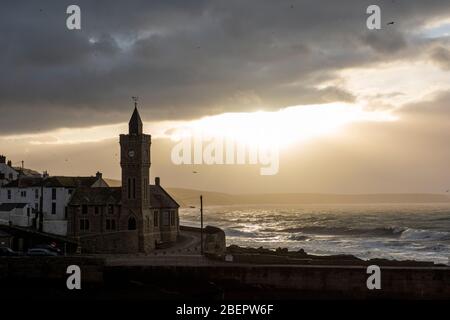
[46,199]
[135,217]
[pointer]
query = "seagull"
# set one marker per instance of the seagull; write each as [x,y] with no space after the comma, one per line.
[194,172]
[390,23]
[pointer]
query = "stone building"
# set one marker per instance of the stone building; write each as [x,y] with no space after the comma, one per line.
[135,217]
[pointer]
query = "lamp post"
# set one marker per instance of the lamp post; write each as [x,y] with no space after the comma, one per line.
[201,224]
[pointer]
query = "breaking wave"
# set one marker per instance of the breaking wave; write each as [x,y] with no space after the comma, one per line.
[419,234]
[400,233]
[339,231]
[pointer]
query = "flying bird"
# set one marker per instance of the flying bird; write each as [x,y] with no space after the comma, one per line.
[194,172]
[390,23]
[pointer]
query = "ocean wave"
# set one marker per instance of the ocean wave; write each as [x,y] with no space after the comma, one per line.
[339,231]
[240,233]
[299,237]
[420,234]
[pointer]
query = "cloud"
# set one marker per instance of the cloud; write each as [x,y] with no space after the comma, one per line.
[187,59]
[441,56]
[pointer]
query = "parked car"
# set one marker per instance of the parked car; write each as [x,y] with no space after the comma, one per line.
[41,252]
[7,252]
[49,247]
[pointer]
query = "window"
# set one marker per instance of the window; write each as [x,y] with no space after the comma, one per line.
[110,224]
[134,188]
[70,191]
[53,208]
[129,188]
[36,206]
[84,224]
[96,210]
[10,176]
[155,218]
[2,176]
[9,194]
[28,211]
[65,212]
[147,218]
[36,193]
[165,218]
[54,194]
[84,209]
[131,223]
[145,188]
[172,217]
[23,194]
[111,209]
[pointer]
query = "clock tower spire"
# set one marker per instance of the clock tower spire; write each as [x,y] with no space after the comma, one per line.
[135,124]
[135,163]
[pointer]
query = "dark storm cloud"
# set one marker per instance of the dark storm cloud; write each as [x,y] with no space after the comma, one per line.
[186,58]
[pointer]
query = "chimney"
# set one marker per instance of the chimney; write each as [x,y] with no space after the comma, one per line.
[2,159]
[45,174]
[157,181]
[9,163]
[98,175]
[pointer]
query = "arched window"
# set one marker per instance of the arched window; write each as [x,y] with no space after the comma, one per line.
[131,223]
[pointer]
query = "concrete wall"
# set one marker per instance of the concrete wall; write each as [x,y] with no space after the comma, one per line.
[300,282]
[58,227]
[214,240]
[112,242]
[293,282]
[48,268]
[21,217]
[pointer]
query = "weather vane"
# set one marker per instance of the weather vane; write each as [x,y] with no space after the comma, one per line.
[135,99]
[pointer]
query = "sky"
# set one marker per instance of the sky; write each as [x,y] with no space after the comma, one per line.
[350,110]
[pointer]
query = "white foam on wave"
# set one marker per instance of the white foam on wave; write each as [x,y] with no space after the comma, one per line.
[420,234]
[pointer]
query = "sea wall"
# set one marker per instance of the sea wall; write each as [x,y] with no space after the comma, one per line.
[46,278]
[299,282]
[214,240]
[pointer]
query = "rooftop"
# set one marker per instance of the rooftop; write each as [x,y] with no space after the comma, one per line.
[57,181]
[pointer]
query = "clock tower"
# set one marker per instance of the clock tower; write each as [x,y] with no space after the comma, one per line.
[135,162]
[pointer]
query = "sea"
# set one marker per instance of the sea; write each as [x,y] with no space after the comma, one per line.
[418,232]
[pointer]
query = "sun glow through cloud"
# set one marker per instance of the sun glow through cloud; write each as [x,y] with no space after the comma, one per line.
[264,128]
[283,127]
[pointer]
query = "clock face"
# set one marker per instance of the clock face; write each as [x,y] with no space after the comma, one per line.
[131,153]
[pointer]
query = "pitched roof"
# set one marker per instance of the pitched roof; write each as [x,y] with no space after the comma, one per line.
[70,182]
[6,207]
[58,182]
[24,182]
[135,124]
[96,196]
[27,172]
[159,198]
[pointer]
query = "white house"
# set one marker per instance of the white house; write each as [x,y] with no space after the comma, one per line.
[18,214]
[51,194]
[9,173]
